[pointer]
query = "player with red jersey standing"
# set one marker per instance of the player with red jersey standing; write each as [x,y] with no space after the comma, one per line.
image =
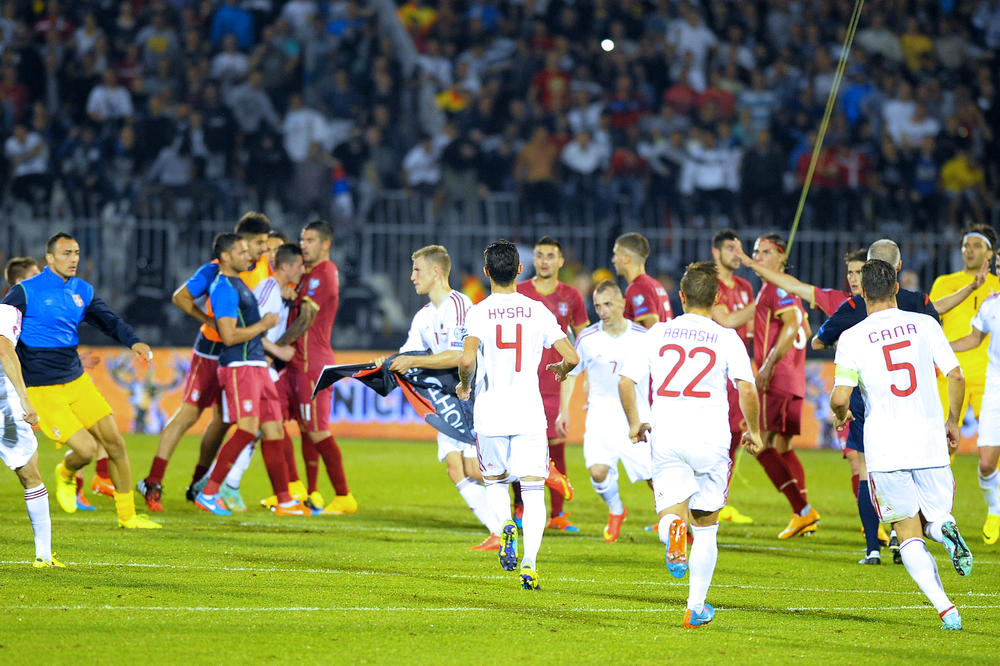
[646,301]
[566,303]
[314,312]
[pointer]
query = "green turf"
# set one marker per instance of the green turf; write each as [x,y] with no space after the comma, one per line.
[395,583]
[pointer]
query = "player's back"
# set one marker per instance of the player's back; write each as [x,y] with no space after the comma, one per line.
[892,354]
[691,358]
[513,330]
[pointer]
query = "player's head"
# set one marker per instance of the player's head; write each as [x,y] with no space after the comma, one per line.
[724,246]
[503,263]
[609,302]
[275,239]
[878,282]
[979,242]
[887,251]
[431,266]
[630,249]
[548,257]
[854,260]
[231,252]
[254,227]
[288,263]
[62,254]
[699,286]
[316,240]
[769,250]
[19,269]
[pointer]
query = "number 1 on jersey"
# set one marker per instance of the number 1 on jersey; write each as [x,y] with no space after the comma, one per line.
[515,345]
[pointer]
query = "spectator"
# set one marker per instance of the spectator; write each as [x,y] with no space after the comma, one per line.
[896,112]
[422,167]
[310,193]
[109,101]
[13,98]
[551,86]
[689,35]
[86,36]
[298,14]
[964,186]
[584,161]
[82,166]
[877,39]
[158,41]
[535,172]
[919,126]
[233,20]
[123,164]
[761,182]
[924,176]
[230,65]
[251,107]
[28,159]
[301,128]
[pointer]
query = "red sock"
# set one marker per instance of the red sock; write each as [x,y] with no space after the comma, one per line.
[273,451]
[289,449]
[228,454]
[854,484]
[311,458]
[776,470]
[334,464]
[79,484]
[102,468]
[199,471]
[157,469]
[557,454]
[799,474]
[517,493]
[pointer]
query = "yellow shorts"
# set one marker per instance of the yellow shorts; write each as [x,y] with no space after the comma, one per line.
[63,409]
[973,395]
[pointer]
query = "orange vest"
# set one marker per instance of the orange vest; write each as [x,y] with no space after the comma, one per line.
[253,277]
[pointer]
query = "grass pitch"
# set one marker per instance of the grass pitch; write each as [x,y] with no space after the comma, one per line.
[395,584]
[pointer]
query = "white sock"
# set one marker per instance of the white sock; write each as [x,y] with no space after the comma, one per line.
[608,490]
[664,527]
[498,500]
[990,486]
[923,570]
[933,530]
[37,501]
[701,564]
[533,521]
[475,496]
[240,466]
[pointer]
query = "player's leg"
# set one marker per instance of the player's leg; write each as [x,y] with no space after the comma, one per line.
[604,480]
[230,488]
[935,489]
[183,420]
[105,432]
[211,440]
[729,512]
[989,483]
[529,462]
[493,456]
[673,485]
[866,511]
[272,450]
[601,459]
[450,453]
[246,431]
[852,460]
[36,499]
[314,421]
[102,484]
[791,426]
[82,449]
[777,471]
[701,565]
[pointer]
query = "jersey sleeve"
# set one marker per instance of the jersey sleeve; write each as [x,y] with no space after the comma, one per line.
[828,300]
[225,301]
[641,300]
[784,301]
[474,323]
[455,326]
[551,332]
[738,362]
[944,356]
[980,321]
[635,365]
[199,283]
[581,350]
[841,320]
[17,298]
[323,288]
[10,323]
[104,319]
[268,295]
[846,371]
[413,340]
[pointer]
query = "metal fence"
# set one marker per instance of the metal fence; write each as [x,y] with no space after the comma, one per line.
[135,264]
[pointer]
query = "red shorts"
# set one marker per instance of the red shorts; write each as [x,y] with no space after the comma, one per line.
[736,421]
[551,404]
[247,390]
[286,396]
[201,387]
[781,413]
[312,415]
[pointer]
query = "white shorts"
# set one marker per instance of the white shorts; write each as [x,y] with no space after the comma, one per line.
[17,441]
[448,444]
[604,443]
[902,494]
[514,455]
[699,473]
[989,421]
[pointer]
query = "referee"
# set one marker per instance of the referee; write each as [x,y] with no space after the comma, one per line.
[70,409]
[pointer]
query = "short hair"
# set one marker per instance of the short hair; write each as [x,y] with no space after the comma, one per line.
[777,239]
[17,268]
[286,253]
[635,243]
[502,261]
[723,236]
[700,284]
[886,250]
[252,224]
[878,279]
[322,228]
[280,235]
[608,285]
[224,242]
[434,254]
[549,240]
[50,244]
[856,255]
[984,229]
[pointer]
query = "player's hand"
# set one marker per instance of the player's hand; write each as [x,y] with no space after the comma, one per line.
[377,362]
[89,360]
[562,425]
[764,377]
[840,424]
[954,432]
[752,442]
[142,350]
[289,293]
[741,255]
[558,370]
[284,352]
[463,392]
[638,432]
[980,277]
[30,415]
[270,320]
[402,363]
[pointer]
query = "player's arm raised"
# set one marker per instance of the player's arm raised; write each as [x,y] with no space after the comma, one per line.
[789,329]
[467,366]
[298,328]
[946,303]
[785,281]
[626,393]
[184,301]
[750,405]
[12,368]
[233,335]
[737,319]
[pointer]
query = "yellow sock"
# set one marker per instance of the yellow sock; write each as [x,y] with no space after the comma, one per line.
[65,473]
[125,505]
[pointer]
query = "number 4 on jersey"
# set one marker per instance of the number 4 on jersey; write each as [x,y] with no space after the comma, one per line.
[515,345]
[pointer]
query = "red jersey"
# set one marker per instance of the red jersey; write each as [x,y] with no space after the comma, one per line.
[321,288]
[736,297]
[828,300]
[566,303]
[790,373]
[647,296]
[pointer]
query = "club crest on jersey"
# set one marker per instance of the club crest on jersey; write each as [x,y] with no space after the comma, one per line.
[563,309]
[78,300]
[638,300]
[195,394]
[247,405]
[313,283]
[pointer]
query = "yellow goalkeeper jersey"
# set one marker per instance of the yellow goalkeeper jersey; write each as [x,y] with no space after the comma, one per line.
[957,321]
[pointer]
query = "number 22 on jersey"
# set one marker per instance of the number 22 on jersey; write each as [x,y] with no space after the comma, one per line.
[689,390]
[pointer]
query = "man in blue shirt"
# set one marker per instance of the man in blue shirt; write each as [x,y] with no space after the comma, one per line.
[70,409]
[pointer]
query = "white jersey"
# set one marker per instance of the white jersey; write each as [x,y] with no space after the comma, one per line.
[689,360]
[269,299]
[512,330]
[891,356]
[603,357]
[987,320]
[439,328]
[17,442]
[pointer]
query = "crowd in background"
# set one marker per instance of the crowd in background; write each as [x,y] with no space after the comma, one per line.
[701,112]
